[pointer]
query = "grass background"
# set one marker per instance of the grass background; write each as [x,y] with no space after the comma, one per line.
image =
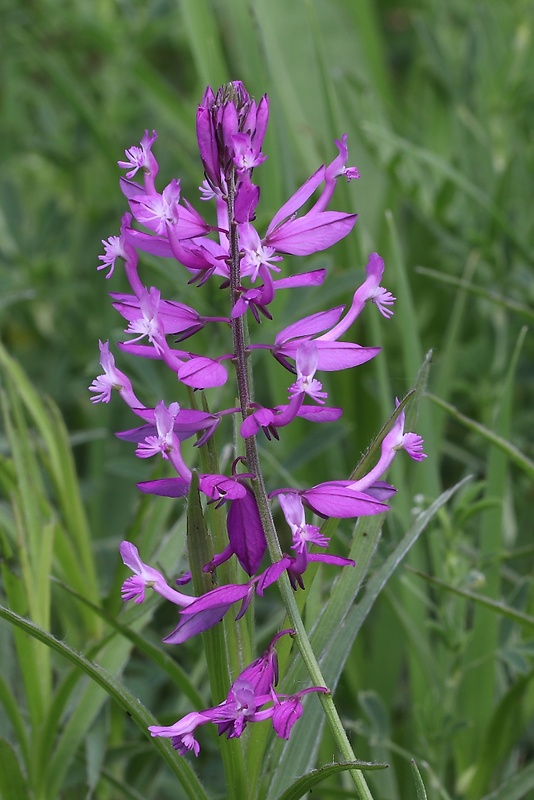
[438,103]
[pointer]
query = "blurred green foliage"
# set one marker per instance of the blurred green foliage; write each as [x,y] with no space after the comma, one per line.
[438,102]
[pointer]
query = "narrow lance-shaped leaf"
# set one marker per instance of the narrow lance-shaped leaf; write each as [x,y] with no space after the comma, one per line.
[120,695]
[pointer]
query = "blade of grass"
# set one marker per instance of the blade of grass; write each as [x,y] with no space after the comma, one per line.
[205,41]
[516,787]
[509,450]
[479,291]
[477,690]
[306,783]
[426,157]
[120,695]
[332,638]
[420,792]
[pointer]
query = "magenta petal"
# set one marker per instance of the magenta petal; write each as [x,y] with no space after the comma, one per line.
[319,413]
[308,326]
[207,144]
[198,623]
[337,561]
[202,373]
[297,200]
[313,232]
[187,423]
[249,426]
[246,200]
[245,603]
[165,487]
[313,278]
[342,355]
[137,434]
[245,532]
[334,500]
[222,596]
[285,715]
[207,611]
[147,243]
[380,490]
[272,574]
[333,355]
[141,350]
[173,317]
[262,117]
[130,188]
[220,487]
[191,223]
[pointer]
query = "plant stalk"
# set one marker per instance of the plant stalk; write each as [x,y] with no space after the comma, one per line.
[260,492]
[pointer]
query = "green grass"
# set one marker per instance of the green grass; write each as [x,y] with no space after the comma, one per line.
[438,104]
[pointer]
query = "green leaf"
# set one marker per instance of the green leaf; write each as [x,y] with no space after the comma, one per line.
[12,782]
[516,787]
[159,657]
[306,782]
[120,694]
[479,291]
[204,38]
[495,605]
[513,453]
[420,792]
[336,629]
[443,168]
[13,712]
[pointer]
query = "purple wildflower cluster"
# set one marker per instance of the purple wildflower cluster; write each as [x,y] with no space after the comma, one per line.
[230,131]
[252,698]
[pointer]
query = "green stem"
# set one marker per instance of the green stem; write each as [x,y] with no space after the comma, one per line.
[260,492]
[302,640]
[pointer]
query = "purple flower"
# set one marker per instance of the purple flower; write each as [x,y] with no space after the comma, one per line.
[145,577]
[394,441]
[165,438]
[187,423]
[143,317]
[117,247]
[246,153]
[331,354]
[303,533]
[255,254]
[336,499]
[262,674]
[142,158]
[296,566]
[241,707]
[157,211]
[307,359]
[369,290]
[335,170]
[314,231]
[230,131]
[209,609]
[251,698]
[270,419]
[181,733]
[306,384]
[287,711]
[112,378]
[173,318]
[245,532]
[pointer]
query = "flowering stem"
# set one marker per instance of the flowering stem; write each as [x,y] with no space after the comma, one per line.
[302,639]
[260,492]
